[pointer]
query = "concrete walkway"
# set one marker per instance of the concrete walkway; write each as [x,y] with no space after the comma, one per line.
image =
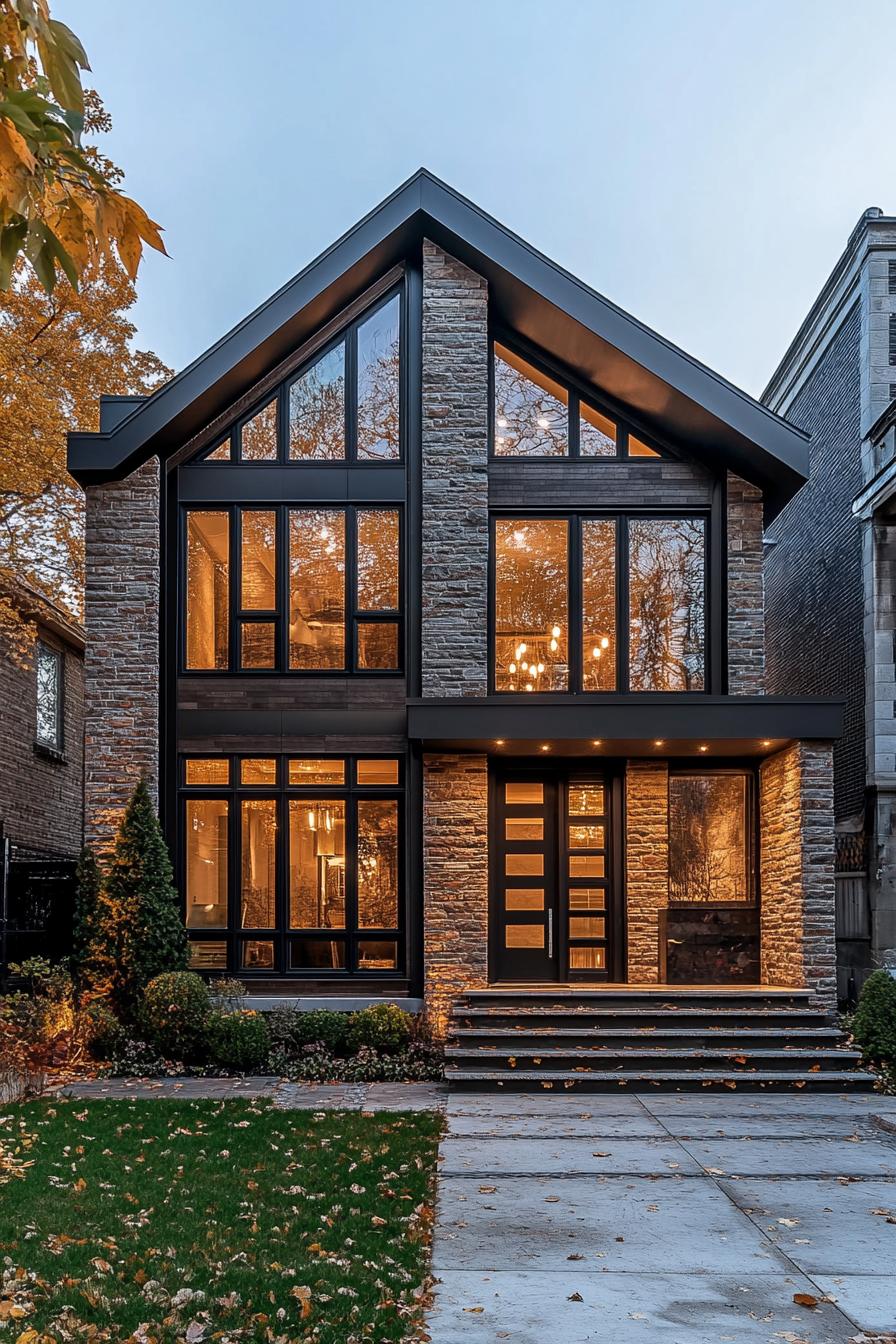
[687,1219]
[290,1096]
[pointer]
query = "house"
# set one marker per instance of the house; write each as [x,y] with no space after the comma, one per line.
[829,571]
[431,601]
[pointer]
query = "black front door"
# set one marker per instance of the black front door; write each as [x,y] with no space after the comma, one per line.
[551,910]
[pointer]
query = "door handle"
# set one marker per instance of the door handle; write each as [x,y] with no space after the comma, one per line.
[550,934]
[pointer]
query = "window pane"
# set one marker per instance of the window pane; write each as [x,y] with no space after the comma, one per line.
[206,844]
[523,792]
[667,616]
[316,864]
[377,772]
[597,434]
[523,828]
[257,956]
[259,832]
[524,865]
[258,437]
[257,649]
[377,646]
[258,771]
[378,383]
[586,926]
[530,410]
[587,898]
[316,588]
[320,771]
[707,838]
[598,604]
[587,958]
[531,604]
[208,772]
[208,589]
[49,668]
[586,800]
[638,448]
[317,954]
[524,935]
[377,864]
[317,410]
[377,559]
[259,564]
[219,454]
[519,898]
[586,837]
[586,865]
[377,956]
[208,956]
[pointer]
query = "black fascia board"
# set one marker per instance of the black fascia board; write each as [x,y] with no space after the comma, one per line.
[599,342]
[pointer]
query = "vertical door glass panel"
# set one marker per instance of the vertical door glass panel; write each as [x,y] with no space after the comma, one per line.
[317,410]
[208,589]
[377,646]
[379,384]
[667,578]
[259,848]
[597,433]
[586,926]
[316,588]
[587,958]
[206,862]
[377,559]
[531,604]
[590,836]
[204,771]
[524,898]
[524,865]
[638,448]
[377,772]
[316,863]
[586,865]
[587,898]
[586,800]
[521,791]
[708,853]
[524,935]
[523,828]
[258,570]
[530,409]
[257,646]
[258,770]
[599,604]
[377,864]
[258,437]
[307,771]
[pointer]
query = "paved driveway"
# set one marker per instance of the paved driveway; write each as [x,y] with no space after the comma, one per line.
[685,1219]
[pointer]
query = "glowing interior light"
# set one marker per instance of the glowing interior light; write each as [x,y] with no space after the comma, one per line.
[524,666]
[595,652]
[324,533]
[512,667]
[554,646]
[556,632]
[605,643]
[540,668]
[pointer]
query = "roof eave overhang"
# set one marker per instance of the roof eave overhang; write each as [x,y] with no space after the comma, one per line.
[599,342]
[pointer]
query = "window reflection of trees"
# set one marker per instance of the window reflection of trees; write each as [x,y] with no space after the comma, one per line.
[259,846]
[707,838]
[259,436]
[378,384]
[208,589]
[317,410]
[530,410]
[377,559]
[531,605]
[377,864]
[599,604]
[667,604]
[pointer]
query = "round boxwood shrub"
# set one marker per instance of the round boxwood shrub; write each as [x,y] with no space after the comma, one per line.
[293,1032]
[874,1024]
[383,1027]
[174,1012]
[239,1041]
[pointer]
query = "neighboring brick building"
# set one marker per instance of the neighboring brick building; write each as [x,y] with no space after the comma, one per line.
[829,574]
[431,600]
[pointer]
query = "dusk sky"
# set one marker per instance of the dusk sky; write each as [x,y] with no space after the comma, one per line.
[700,162]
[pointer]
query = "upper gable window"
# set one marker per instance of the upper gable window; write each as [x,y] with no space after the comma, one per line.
[342,406]
[537,414]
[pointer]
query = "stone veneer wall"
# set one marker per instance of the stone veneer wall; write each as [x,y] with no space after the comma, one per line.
[646,864]
[746,612]
[455,879]
[455,478]
[121,616]
[796,850]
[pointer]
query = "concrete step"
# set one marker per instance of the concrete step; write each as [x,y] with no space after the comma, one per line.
[633,1018]
[672,1080]
[638,1058]
[524,1036]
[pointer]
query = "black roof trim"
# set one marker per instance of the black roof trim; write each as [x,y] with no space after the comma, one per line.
[596,339]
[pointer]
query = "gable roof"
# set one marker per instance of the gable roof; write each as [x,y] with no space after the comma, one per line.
[598,341]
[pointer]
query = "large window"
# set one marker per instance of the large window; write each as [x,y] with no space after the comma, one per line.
[293,864]
[538,413]
[342,406]
[709,849]
[48,668]
[600,604]
[298,589]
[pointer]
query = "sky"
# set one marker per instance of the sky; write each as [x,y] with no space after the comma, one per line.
[699,162]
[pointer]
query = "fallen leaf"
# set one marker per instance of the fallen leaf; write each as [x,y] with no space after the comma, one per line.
[805,1300]
[302,1293]
[487,1189]
[474,1311]
[575,1297]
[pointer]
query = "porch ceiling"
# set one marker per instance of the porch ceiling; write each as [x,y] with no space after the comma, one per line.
[691,725]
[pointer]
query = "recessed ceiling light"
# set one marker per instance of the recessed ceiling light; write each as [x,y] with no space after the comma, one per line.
[598,742]
[499,742]
[767,742]
[659,742]
[703,748]
[545,748]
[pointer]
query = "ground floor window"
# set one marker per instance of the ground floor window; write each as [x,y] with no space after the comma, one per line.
[293,864]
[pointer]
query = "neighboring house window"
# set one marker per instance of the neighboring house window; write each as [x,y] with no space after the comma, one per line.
[49,697]
[537,413]
[343,406]
[293,589]
[600,604]
[294,864]
[709,848]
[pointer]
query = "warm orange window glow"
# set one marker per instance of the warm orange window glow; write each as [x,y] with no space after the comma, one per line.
[258,437]
[206,863]
[316,588]
[204,771]
[258,569]
[316,863]
[259,846]
[531,604]
[599,604]
[379,384]
[597,433]
[377,864]
[208,590]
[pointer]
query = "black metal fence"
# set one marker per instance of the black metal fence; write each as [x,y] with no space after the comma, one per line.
[37,891]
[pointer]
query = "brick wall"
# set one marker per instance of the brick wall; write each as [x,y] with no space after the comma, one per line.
[646,864]
[796,853]
[121,611]
[41,799]
[455,879]
[746,615]
[455,477]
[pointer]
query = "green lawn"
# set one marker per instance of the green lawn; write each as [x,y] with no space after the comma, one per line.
[176,1220]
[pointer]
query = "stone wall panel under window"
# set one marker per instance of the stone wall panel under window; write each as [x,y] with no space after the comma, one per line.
[647,865]
[746,593]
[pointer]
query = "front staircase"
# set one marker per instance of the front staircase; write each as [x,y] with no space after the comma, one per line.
[606,1040]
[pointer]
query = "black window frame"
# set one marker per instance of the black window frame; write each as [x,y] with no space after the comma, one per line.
[55,748]
[749,771]
[279,615]
[713,590]
[282,936]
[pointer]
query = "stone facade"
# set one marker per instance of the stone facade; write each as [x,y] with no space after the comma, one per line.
[796,824]
[646,865]
[746,597]
[121,609]
[455,477]
[455,879]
